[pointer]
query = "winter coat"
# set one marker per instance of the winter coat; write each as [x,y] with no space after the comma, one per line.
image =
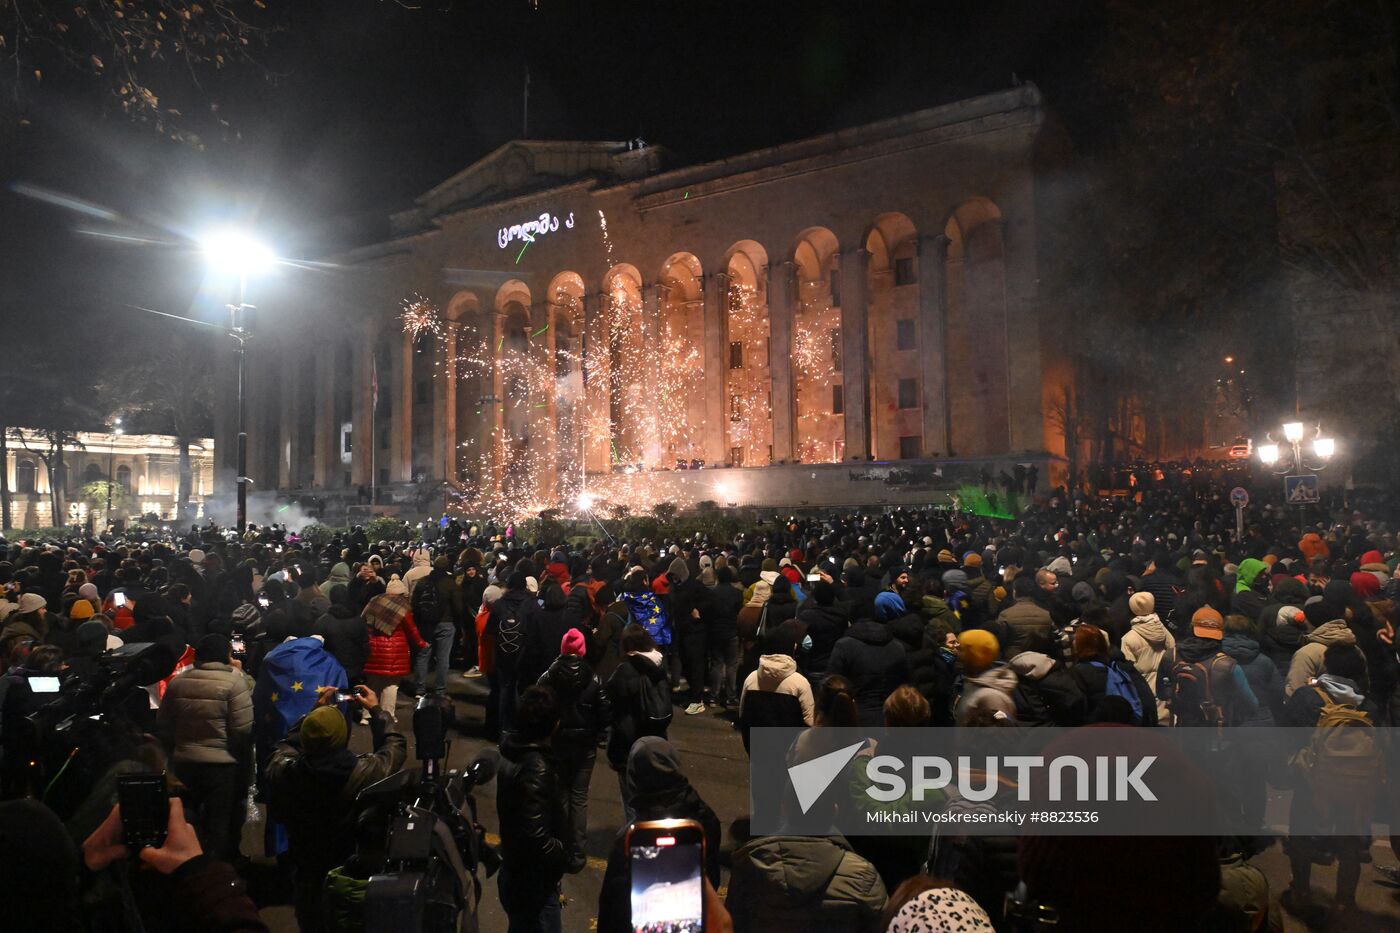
[1022,621]
[932,668]
[993,689]
[624,691]
[777,673]
[1263,677]
[803,883]
[584,707]
[1307,660]
[391,655]
[314,795]
[1046,694]
[825,626]
[347,638]
[1280,641]
[722,622]
[1229,686]
[1165,586]
[1093,680]
[688,597]
[530,808]
[605,645]
[206,715]
[1147,646]
[870,658]
[544,631]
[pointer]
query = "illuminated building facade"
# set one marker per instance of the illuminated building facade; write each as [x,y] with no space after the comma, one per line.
[799,321]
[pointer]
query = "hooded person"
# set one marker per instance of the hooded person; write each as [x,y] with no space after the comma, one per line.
[1307,660]
[988,683]
[345,635]
[870,657]
[776,675]
[339,576]
[660,790]
[1150,648]
[1046,694]
[585,713]
[1251,589]
[1282,624]
[421,565]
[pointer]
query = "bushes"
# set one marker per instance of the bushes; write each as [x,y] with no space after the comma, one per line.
[389,529]
[318,535]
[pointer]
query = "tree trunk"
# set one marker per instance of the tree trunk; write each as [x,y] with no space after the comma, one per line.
[6,521]
[60,497]
[53,494]
[186,487]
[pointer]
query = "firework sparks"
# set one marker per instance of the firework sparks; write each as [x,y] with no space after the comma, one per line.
[419,317]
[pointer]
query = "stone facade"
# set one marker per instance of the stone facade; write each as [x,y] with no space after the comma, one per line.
[859,298]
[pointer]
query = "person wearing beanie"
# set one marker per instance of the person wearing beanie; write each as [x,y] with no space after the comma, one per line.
[872,659]
[1226,699]
[1306,663]
[1149,647]
[205,721]
[988,683]
[585,713]
[30,619]
[313,779]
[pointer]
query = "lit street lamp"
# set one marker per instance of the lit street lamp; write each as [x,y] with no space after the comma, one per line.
[1295,455]
[235,253]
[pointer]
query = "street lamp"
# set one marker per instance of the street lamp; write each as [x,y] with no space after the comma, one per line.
[235,253]
[111,459]
[1294,454]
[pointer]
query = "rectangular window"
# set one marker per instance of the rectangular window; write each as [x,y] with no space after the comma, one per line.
[838,399]
[736,456]
[736,355]
[908,393]
[836,349]
[349,442]
[836,287]
[421,391]
[909,447]
[904,271]
[904,338]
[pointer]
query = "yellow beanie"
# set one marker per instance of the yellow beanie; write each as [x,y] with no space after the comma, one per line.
[978,649]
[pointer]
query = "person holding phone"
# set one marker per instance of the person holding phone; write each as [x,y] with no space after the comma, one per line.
[534,825]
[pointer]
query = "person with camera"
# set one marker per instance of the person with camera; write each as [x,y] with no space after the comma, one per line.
[313,780]
[534,825]
[206,722]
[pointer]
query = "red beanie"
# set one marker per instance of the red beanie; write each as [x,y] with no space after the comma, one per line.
[1366,585]
[573,643]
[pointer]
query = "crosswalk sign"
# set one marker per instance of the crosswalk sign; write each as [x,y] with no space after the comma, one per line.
[1300,490]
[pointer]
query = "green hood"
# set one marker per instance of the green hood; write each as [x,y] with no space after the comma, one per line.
[1249,570]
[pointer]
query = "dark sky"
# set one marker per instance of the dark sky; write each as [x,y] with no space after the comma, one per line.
[365,104]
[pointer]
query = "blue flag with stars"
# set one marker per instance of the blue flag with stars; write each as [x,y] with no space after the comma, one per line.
[650,613]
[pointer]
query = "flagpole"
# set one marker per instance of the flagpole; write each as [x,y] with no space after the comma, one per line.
[373,434]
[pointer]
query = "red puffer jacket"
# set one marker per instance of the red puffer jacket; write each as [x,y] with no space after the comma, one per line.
[389,655]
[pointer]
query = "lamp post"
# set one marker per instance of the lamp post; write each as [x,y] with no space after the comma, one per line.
[111,460]
[233,252]
[1295,456]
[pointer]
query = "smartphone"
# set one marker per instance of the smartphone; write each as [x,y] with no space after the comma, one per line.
[44,684]
[145,806]
[344,697]
[667,858]
[237,645]
[118,599]
[264,601]
[814,578]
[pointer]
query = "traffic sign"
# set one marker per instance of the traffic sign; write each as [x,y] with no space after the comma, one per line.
[1239,497]
[1300,490]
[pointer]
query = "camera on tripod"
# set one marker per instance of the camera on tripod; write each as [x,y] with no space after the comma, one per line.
[434,845]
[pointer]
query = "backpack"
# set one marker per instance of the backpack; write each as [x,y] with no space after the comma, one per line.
[654,704]
[1164,686]
[427,603]
[648,612]
[1342,760]
[1119,684]
[1193,700]
[510,636]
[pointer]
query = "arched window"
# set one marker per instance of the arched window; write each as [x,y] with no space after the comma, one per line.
[124,478]
[92,473]
[748,387]
[24,476]
[816,349]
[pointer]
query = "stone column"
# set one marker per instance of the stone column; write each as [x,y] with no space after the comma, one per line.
[543,411]
[716,365]
[855,351]
[1026,410]
[933,315]
[448,405]
[597,395]
[781,288]
[401,443]
[289,446]
[361,400]
[327,452]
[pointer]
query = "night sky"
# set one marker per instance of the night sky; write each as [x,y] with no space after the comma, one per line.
[360,105]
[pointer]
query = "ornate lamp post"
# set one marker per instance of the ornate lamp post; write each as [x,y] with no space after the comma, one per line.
[1296,455]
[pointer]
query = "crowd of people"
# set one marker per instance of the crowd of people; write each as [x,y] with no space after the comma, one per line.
[1142,611]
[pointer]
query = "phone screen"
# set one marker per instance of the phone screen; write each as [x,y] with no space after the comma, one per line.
[237,645]
[145,809]
[43,684]
[814,577]
[667,877]
[264,601]
[119,600]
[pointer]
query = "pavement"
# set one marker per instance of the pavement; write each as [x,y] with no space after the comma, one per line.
[714,759]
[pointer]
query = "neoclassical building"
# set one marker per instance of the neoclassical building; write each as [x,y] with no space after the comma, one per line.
[852,318]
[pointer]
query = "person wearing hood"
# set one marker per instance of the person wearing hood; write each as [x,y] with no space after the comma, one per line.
[780,607]
[1150,648]
[542,632]
[392,640]
[722,635]
[1342,814]
[860,592]
[776,676]
[585,713]
[1307,660]
[206,721]
[1251,589]
[365,586]
[557,569]
[420,566]
[869,657]
[690,601]
[1046,694]
[346,637]
[339,576]
[661,791]
[1282,624]
[534,845]
[312,781]
[803,883]
[988,682]
[631,720]
[825,621]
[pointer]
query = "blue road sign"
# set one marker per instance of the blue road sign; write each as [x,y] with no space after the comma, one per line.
[1300,490]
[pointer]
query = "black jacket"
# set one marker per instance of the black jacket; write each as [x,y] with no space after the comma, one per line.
[544,630]
[825,625]
[871,659]
[347,638]
[530,806]
[1092,679]
[583,704]
[722,622]
[624,692]
[516,604]
[692,595]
